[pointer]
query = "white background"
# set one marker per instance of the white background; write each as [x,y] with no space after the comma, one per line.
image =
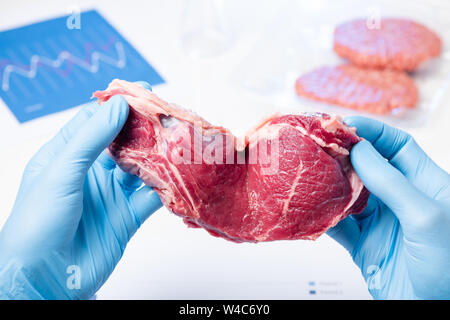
[165,259]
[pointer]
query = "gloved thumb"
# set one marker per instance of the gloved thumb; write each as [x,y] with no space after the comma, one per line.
[389,185]
[92,138]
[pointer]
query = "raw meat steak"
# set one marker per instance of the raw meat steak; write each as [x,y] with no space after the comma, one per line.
[398,44]
[289,178]
[371,90]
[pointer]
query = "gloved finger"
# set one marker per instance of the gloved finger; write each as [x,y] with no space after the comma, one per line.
[346,233]
[106,161]
[72,126]
[145,201]
[371,208]
[92,138]
[127,180]
[144,84]
[49,150]
[387,140]
[57,143]
[389,185]
[403,152]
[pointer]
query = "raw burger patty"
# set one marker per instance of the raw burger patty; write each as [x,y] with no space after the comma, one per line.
[375,91]
[398,44]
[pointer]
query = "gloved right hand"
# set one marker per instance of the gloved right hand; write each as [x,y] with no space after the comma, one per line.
[401,242]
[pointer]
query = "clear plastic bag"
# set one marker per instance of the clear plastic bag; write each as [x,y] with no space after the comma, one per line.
[300,39]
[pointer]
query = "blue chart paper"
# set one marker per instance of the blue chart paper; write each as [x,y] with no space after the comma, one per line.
[48,67]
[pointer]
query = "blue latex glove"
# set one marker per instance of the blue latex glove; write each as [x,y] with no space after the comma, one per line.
[401,242]
[74,213]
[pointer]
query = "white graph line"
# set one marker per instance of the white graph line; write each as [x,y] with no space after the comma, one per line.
[91,66]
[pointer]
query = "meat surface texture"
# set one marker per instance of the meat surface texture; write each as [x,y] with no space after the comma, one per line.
[393,43]
[288,178]
[370,90]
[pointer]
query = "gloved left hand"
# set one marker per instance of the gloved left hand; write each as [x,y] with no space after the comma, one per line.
[74,213]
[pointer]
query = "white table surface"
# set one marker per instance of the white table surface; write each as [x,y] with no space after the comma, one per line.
[165,259]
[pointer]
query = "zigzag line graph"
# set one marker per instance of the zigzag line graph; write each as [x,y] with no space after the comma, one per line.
[92,65]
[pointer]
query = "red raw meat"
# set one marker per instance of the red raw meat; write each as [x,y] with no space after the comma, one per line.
[398,44]
[303,186]
[371,90]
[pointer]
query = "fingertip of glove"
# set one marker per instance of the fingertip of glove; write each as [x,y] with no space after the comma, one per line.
[153,198]
[118,101]
[362,144]
[144,84]
[362,149]
[373,170]
[351,120]
[362,156]
[145,202]
[118,109]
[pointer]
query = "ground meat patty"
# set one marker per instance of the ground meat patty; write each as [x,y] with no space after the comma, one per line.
[398,44]
[376,91]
